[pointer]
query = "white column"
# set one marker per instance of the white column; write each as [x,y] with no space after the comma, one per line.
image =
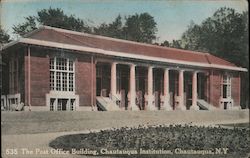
[194,92]
[150,80]
[181,105]
[166,96]
[113,79]
[150,96]
[132,88]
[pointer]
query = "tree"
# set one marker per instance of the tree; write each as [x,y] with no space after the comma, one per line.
[4,37]
[165,43]
[51,17]
[140,28]
[114,29]
[176,44]
[225,34]
[26,27]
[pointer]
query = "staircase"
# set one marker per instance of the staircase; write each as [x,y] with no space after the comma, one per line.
[106,104]
[205,105]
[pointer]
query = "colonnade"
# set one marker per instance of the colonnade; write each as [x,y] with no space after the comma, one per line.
[149,96]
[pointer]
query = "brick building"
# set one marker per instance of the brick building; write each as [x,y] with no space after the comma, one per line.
[56,69]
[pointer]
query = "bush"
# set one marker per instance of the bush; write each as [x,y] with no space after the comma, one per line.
[160,137]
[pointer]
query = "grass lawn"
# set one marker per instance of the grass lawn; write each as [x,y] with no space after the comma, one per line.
[173,139]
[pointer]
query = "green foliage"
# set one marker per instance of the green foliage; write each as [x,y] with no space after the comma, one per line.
[51,17]
[57,18]
[138,27]
[4,37]
[26,27]
[176,44]
[114,29]
[160,137]
[225,34]
[165,43]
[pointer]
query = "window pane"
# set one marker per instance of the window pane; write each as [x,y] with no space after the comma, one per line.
[229,91]
[224,91]
[52,74]
[64,81]
[61,64]
[71,83]
[59,105]
[72,104]
[70,65]
[60,78]
[58,81]
[52,100]
[52,63]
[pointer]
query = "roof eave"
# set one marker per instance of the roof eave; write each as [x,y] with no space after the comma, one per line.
[122,54]
[9,44]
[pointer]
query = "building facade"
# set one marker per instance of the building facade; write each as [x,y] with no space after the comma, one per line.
[54,69]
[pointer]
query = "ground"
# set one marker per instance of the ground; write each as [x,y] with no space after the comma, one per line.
[35,130]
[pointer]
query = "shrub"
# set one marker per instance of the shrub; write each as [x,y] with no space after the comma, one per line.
[160,137]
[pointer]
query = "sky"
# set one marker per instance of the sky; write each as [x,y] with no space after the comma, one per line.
[172,16]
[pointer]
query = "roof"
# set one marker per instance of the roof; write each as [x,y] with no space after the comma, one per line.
[55,37]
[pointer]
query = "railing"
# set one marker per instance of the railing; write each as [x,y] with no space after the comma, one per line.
[115,100]
[100,104]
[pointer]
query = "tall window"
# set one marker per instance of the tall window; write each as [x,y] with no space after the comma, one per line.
[226,86]
[62,74]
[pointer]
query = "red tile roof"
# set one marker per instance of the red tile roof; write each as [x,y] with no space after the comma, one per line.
[107,43]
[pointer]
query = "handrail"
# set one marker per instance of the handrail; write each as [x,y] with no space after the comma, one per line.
[117,100]
[102,99]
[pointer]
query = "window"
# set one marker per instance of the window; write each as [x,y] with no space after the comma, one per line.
[62,74]
[226,86]
[71,82]
[62,104]
[98,71]
[59,105]
[52,82]
[52,102]
[72,104]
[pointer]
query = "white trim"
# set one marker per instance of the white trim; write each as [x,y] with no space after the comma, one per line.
[9,44]
[119,54]
[125,55]
[230,103]
[61,95]
[228,99]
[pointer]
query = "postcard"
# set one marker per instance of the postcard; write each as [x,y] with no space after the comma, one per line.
[143,78]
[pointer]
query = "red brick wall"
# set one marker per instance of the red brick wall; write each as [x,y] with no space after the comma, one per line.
[39,75]
[215,87]
[83,76]
[235,85]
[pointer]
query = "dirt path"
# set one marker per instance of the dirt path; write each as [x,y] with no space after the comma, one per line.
[40,141]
